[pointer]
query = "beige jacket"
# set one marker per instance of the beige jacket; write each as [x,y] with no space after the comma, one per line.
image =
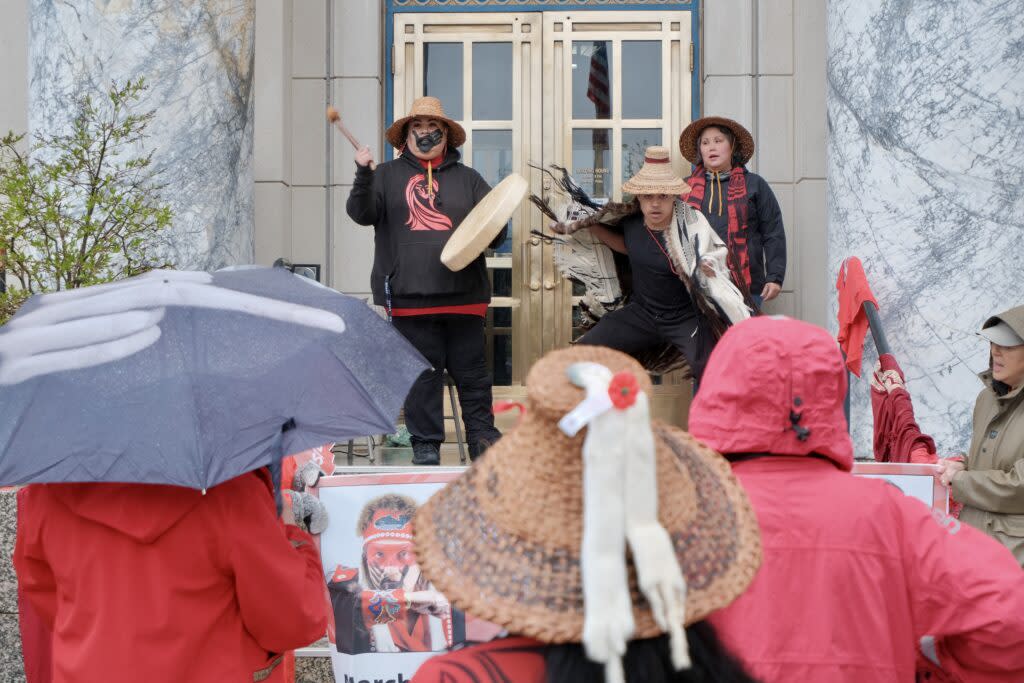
[992,488]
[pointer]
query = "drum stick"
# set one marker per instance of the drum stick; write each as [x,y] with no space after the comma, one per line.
[334,117]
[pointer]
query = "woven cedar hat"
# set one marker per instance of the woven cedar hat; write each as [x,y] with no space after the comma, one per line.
[656,176]
[503,542]
[425,106]
[691,134]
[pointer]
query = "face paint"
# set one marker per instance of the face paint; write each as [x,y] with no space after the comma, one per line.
[388,562]
[427,142]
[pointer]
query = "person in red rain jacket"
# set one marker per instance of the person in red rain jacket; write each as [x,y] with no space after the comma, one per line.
[162,583]
[857,578]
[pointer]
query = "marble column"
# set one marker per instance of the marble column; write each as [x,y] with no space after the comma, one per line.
[197,59]
[12,669]
[926,186]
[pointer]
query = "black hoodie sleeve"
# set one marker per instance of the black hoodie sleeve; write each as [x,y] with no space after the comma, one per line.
[365,204]
[773,235]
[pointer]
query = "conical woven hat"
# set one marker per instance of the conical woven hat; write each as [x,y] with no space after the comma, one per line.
[502,542]
[425,106]
[689,137]
[656,176]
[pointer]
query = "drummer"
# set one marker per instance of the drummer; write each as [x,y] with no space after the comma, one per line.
[414,203]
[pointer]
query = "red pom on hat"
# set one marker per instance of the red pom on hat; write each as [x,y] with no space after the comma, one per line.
[622,390]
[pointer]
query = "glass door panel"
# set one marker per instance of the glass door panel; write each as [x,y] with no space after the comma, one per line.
[641,79]
[492,158]
[492,81]
[591,79]
[635,142]
[443,69]
[591,161]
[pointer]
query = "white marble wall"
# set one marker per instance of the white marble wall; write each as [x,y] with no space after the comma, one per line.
[926,186]
[197,58]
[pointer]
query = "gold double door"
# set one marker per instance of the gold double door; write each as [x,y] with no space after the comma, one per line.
[586,90]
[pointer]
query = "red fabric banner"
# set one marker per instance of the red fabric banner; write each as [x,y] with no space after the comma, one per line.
[853,321]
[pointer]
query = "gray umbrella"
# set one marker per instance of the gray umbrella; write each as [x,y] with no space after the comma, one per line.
[191,378]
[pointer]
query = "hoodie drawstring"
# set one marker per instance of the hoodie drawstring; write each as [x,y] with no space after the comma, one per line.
[717,177]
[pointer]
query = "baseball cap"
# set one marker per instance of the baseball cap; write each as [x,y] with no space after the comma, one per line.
[1001,334]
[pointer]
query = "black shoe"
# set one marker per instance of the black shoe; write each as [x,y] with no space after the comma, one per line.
[426,454]
[477,448]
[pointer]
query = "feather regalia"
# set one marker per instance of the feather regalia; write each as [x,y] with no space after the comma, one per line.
[581,257]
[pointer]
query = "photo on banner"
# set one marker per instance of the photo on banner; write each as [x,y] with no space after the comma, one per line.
[913,479]
[386,618]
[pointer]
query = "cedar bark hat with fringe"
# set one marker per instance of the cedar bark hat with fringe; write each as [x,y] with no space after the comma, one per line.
[688,140]
[425,106]
[503,542]
[656,176]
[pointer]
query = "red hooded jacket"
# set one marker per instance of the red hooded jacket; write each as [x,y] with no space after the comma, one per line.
[161,583]
[855,574]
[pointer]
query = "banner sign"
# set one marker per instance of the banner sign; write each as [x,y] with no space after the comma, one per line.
[387,619]
[915,480]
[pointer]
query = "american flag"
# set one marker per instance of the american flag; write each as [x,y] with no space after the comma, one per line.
[598,90]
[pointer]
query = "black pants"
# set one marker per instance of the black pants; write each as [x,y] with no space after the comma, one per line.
[633,329]
[454,343]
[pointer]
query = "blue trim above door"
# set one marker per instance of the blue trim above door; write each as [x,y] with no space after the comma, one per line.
[393,7]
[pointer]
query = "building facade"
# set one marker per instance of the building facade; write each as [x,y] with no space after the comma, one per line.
[886,129]
[515,74]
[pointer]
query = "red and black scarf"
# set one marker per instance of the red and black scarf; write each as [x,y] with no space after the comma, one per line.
[736,205]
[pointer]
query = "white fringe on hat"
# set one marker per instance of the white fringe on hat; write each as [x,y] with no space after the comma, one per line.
[620,502]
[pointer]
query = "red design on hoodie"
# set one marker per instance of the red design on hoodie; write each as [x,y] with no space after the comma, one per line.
[423,215]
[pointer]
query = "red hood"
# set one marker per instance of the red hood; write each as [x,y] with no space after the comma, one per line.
[763,372]
[144,512]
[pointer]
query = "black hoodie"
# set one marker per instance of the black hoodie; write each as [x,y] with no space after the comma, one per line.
[411,227]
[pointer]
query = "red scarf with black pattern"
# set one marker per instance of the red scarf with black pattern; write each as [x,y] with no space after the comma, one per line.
[736,206]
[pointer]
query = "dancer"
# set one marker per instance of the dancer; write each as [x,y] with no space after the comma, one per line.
[682,294]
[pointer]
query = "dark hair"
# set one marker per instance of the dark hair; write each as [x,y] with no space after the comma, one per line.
[649,661]
[737,158]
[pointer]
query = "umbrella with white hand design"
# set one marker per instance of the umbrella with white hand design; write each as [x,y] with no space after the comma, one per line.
[191,378]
